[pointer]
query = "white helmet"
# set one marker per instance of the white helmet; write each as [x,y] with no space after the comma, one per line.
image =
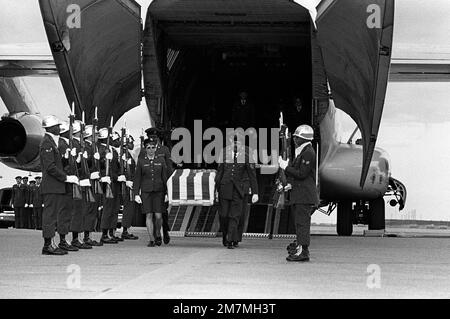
[103,133]
[63,127]
[50,121]
[88,131]
[76,126]
[304,131]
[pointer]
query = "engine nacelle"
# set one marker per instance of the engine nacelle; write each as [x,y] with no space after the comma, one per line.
[20,137]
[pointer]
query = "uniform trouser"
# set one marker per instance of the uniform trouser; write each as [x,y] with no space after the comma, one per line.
[129,209]
[54,204]
[111,207]
[37,214]
[165,219]
[302,215]
[243,217]
[90,211]
[18,212]
[78,212]
[28,219]
[230,213]
[65,215]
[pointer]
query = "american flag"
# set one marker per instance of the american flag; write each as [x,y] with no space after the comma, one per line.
[191,187]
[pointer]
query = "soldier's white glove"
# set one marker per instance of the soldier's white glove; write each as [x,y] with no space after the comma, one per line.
[72,179]
[66,154]
[31,205]
[100,208]
[109,156]
[95,175]
[73,152]
[97,156]
[129,184]
[42,205]
[255,198]
[106,179]
[288,187]
[78,158]
[138,199]
[26,205]
[121,178]
[85,183]
[85,155]
[166,199]
[124,157]
[283,164]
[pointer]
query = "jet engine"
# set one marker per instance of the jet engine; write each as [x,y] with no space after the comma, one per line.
[20,137]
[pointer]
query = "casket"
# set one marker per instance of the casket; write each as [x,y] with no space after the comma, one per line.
[191,187]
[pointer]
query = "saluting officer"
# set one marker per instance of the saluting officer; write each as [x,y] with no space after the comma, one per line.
[53,187]
[232,188]
[304,196]
[129,205]
[18,202]
[37,202]
[111,206]
[91,209]
[149,188]
[162,152]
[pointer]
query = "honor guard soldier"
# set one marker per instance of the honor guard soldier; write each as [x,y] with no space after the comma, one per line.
[163,153]
[53,187]
[233,175]
[37,202]
[91,209]
[109,160]
[27,211]
[63,226]
[304,196]
[129,205]
[18,202]
[150,186]
[31,186]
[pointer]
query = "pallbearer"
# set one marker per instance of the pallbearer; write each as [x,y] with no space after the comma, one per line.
[53,187]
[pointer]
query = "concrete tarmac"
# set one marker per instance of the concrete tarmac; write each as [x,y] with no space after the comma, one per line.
[340,267]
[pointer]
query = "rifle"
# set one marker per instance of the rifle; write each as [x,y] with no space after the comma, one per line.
[76,189]
[123,152]
[84,164]
[281,181]
[109,193]
[97,186]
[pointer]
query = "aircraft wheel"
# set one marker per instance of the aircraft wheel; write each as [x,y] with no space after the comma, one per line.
[377,214]
[344,218]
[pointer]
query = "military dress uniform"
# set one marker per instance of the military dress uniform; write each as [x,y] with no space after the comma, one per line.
[301,173]
[163,153]
[37,201]
[18,201]
[129,205]
[232,183]
[111,206]
[27,211]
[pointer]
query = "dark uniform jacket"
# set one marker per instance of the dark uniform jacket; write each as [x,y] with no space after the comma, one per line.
[53,175]
[36,196]
[162,152]
[18,196]
[150,175]
[235,175]
[301,173]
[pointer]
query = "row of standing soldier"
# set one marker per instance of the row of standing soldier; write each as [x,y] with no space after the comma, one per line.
[83,179]
[27,203]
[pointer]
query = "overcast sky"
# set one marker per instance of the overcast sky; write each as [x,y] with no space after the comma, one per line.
[416,120]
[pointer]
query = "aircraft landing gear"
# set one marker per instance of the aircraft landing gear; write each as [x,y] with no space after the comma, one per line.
[345,218]
[377,214]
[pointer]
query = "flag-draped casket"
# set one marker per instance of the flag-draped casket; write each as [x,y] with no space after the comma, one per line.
[191,187]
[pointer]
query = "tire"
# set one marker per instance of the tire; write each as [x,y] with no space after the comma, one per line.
[377,214]
[344,218]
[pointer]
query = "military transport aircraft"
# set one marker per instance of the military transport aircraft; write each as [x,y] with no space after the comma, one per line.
[192,51]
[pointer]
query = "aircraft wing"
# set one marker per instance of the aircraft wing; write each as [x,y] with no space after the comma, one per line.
[420,70]
[97,53]
[356,59]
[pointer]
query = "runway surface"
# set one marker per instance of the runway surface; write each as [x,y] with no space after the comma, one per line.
[340,267]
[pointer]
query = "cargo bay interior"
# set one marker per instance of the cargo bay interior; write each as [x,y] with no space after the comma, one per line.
[219,48]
